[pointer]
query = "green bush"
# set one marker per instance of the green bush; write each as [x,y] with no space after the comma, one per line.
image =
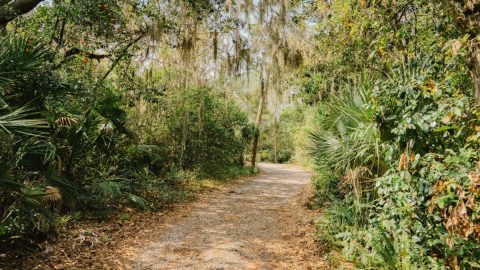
[197,130]
[402,167]
[61,154]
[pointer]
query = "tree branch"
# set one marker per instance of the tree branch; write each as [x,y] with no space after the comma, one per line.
[120,57]
[10,10]
[75,51]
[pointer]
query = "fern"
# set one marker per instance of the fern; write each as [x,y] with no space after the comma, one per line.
[385,247]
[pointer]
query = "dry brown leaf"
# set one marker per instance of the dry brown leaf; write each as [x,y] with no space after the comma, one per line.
[403,164]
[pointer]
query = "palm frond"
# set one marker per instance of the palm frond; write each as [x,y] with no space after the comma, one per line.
[7,179]
[66,121]
[20,119]
[53,196]
[69,190]
[109,188]
[32,194]
[137,201]
[18,56]
[352,139]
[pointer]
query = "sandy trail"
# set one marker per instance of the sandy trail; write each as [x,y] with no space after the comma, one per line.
[261,223]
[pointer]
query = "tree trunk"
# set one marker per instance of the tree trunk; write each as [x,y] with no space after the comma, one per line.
[254,146]
[466,15]
[275,142]
[184,139]
[258,121]
[474,56]
[241,160]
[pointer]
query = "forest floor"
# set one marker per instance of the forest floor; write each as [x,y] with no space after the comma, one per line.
[259,222]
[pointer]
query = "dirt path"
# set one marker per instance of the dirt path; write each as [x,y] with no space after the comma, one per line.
[261,223]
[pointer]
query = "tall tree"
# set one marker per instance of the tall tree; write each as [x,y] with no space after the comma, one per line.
[258,120]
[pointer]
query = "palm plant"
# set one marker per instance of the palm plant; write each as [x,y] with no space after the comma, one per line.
[20,119]
[350,138]
[20,128]
[17,57]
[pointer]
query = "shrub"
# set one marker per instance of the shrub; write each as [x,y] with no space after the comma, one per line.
[411,149]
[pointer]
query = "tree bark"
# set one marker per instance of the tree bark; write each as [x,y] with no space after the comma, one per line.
[186,120]
[474,55]
[258,121]
[275,140]
[9,10]
[466,15]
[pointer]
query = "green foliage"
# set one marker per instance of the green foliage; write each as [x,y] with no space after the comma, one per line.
[286,139]
[70,144]
[417,132]
[350,139]
[203,132]
[413,126]
[311,88]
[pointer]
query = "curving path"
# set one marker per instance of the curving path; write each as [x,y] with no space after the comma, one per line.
[261,223]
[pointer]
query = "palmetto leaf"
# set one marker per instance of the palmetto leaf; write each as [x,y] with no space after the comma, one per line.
[109,189]
[18,56]
[19,119]
[69,190]
[66,121]
[7,179]
[32,194]
[52,195]
[137,201]
[353,139]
